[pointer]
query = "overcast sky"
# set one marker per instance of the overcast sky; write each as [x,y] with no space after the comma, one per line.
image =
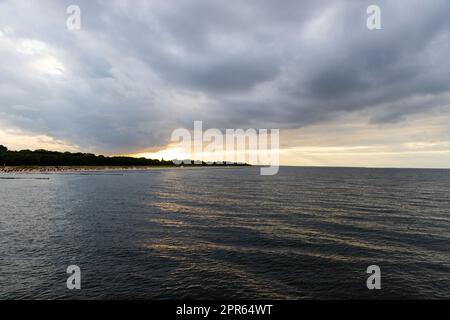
[340,93]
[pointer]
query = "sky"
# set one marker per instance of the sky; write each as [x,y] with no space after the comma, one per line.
[340,94]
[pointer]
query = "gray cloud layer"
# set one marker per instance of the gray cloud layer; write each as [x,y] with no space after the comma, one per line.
[139,69]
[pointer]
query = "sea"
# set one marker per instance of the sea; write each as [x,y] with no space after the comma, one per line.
[226,233]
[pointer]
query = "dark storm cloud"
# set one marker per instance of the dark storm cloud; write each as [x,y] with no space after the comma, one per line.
[139,69]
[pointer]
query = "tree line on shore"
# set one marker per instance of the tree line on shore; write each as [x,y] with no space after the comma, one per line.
[53,158]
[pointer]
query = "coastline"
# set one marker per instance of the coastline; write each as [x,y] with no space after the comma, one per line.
[81,169]
[72,169]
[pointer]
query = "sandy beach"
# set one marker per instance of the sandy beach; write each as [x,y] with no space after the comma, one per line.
[86,169]
[73,169]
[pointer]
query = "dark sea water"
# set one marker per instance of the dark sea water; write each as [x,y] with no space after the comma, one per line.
[227,233]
